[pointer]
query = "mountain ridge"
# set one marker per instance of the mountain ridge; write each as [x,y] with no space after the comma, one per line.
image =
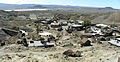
[16,6]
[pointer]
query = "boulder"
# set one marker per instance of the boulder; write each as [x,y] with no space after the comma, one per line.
[72,53]
[87,43]
[66,45]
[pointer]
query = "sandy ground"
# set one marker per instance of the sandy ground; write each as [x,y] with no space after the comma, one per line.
[96,53]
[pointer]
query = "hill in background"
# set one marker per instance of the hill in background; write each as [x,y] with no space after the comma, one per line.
[15,6]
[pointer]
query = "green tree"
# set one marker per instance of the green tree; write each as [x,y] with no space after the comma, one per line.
[86,23]
[113,25]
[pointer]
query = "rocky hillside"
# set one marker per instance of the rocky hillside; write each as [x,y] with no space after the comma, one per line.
[108,18]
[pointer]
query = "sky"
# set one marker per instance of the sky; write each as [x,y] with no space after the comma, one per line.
[86,3]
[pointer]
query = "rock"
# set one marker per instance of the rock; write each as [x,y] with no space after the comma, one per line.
[10,32]
[72,53]
[118,59]
[103,39]
[14,47]
[66,45]
[68,52]
[87,43]
[2,43]
[78,54]
[8,57]
[21,55]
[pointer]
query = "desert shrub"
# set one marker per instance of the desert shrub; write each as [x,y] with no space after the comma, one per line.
[113,25]
[86,23]
[15,28]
